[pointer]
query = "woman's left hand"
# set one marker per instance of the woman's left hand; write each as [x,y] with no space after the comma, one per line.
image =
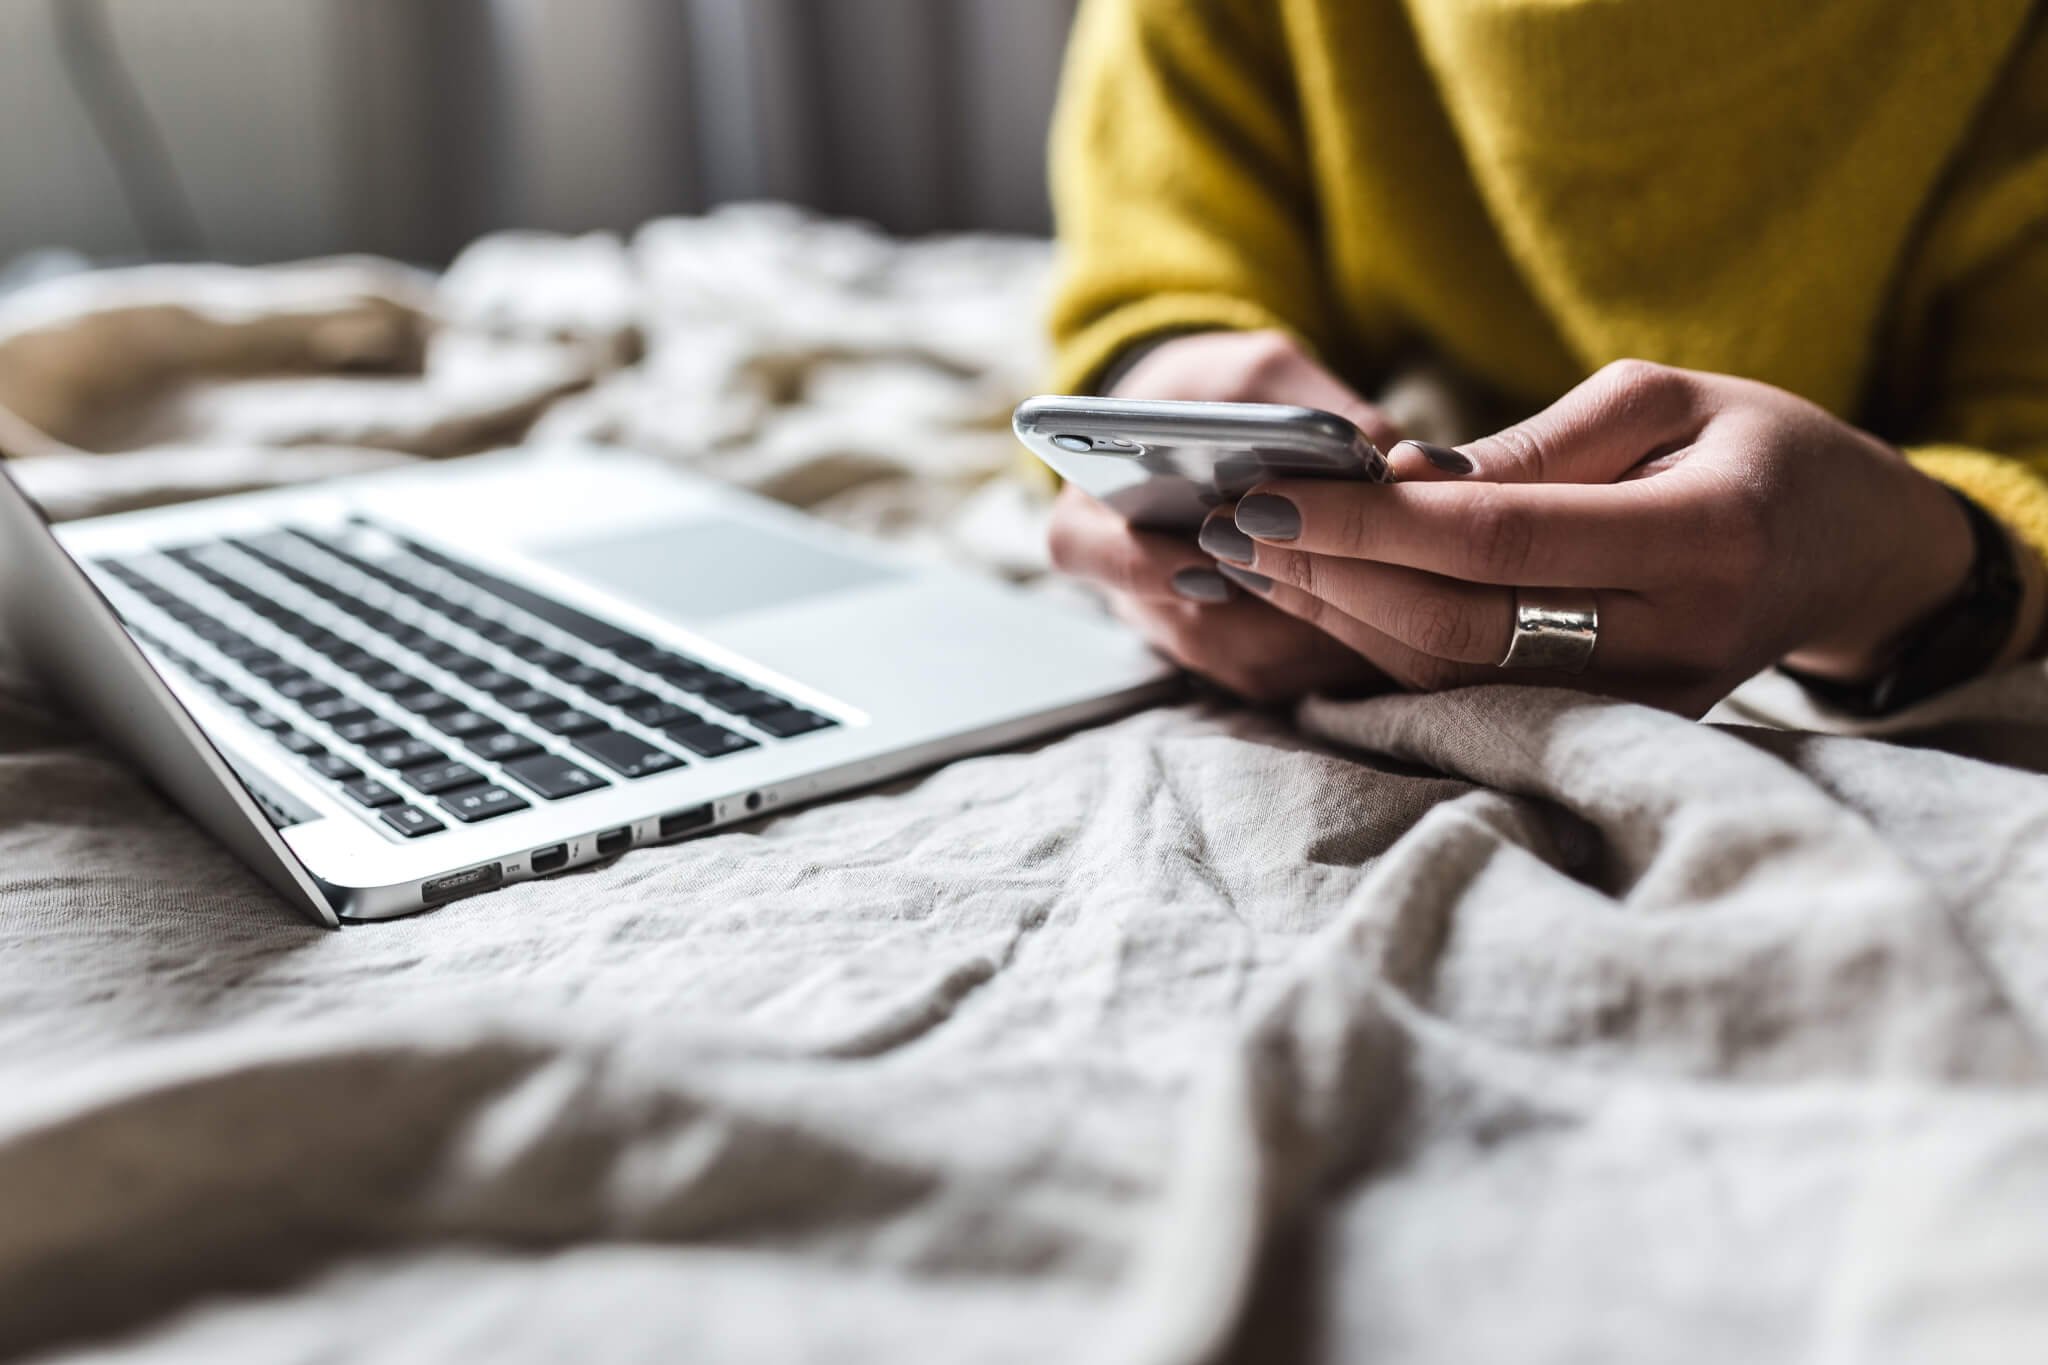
[1721,525]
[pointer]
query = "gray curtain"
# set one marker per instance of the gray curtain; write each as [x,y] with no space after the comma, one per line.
[409,126]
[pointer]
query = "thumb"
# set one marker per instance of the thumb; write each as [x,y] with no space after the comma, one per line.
[1624,413]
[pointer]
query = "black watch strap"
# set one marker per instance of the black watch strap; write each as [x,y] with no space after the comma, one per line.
[1954,645]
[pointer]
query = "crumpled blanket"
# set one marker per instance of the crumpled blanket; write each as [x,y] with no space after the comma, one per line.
[1505,1024]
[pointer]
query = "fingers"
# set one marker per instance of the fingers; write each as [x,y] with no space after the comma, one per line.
[1251,649]
[1421,462]
[1552,535]
[1090,541]
[1410,667]
[1251,367]
[1445,618]
[1626,412]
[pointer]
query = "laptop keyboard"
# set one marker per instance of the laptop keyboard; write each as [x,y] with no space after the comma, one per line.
[426,690]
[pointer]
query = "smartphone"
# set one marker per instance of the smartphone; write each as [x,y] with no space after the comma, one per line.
[1163,465]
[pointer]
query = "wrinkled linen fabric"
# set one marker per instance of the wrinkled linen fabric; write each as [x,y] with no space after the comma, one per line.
[1501,1024]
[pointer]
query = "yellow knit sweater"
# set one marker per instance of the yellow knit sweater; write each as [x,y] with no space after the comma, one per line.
[1846,198]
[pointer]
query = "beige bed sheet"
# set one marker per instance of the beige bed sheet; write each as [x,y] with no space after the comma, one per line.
[1497,1025]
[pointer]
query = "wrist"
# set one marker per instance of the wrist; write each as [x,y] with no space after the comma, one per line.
[1927,563]
[1985,624]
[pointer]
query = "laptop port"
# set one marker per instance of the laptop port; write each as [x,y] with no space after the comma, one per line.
[614,841]
[461,883]
[549,859]
[683,821]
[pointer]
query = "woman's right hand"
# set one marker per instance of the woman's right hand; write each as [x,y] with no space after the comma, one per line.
[1167,587]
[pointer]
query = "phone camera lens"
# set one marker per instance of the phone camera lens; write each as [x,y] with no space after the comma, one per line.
[1080,445]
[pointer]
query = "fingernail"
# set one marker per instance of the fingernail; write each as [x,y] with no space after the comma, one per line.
[1443,457]
[1200,585]
[1246,579]
[1225,541]
[1269,518]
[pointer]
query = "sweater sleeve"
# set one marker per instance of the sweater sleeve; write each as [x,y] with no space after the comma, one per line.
[1987,433]
[1181,182]
[1979,323]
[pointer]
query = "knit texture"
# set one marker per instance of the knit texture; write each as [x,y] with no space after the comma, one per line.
[1845,199]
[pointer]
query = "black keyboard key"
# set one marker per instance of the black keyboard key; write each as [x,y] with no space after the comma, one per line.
[567,722]
[495,682]
[429,703]
[791,721]
[360,662]
[443,777]
[463,724]
[710,741]
[459,662]
[305,690]
[661,713]
[272,667]
[530,649]
[335,767]
[501,745]
[504,636]
[305,746]
[413,638]
[481,803]
[746,701]
[557,614]
[411,821]
[622,694]
[338,711]
[404,753]
[554,777]
[370,792]
[626,755]
[393,682]
[212,631]
[676,668]
[375,730]
[552,660]
[579,674]
[242,649]
[269,720]
[530,700]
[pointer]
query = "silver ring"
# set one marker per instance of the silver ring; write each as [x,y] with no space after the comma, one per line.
[1555,628]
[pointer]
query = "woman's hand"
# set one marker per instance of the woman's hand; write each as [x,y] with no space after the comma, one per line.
[1164,585]
[1722,525]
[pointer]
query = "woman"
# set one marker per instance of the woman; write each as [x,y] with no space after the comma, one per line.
[1738,249]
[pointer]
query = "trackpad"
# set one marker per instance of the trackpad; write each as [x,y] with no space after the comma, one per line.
[709,567]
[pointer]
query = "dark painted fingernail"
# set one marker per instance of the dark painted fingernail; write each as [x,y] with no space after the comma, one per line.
[1201,585]
[1443,457]
[1225,541]
[1246,579]
[1268,517]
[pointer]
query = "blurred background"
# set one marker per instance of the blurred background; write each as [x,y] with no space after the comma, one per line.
[264,130]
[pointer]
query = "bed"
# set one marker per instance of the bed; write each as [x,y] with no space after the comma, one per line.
[1504,1024]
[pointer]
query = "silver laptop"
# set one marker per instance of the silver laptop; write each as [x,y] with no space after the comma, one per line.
[386,692]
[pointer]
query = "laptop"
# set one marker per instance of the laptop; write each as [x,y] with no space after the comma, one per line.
[386,692]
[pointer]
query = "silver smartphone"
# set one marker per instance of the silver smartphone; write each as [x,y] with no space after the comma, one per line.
[1163,465]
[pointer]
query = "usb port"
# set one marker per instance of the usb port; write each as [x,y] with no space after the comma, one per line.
[614,841]
[548,859]
[683,821]
[461,883]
